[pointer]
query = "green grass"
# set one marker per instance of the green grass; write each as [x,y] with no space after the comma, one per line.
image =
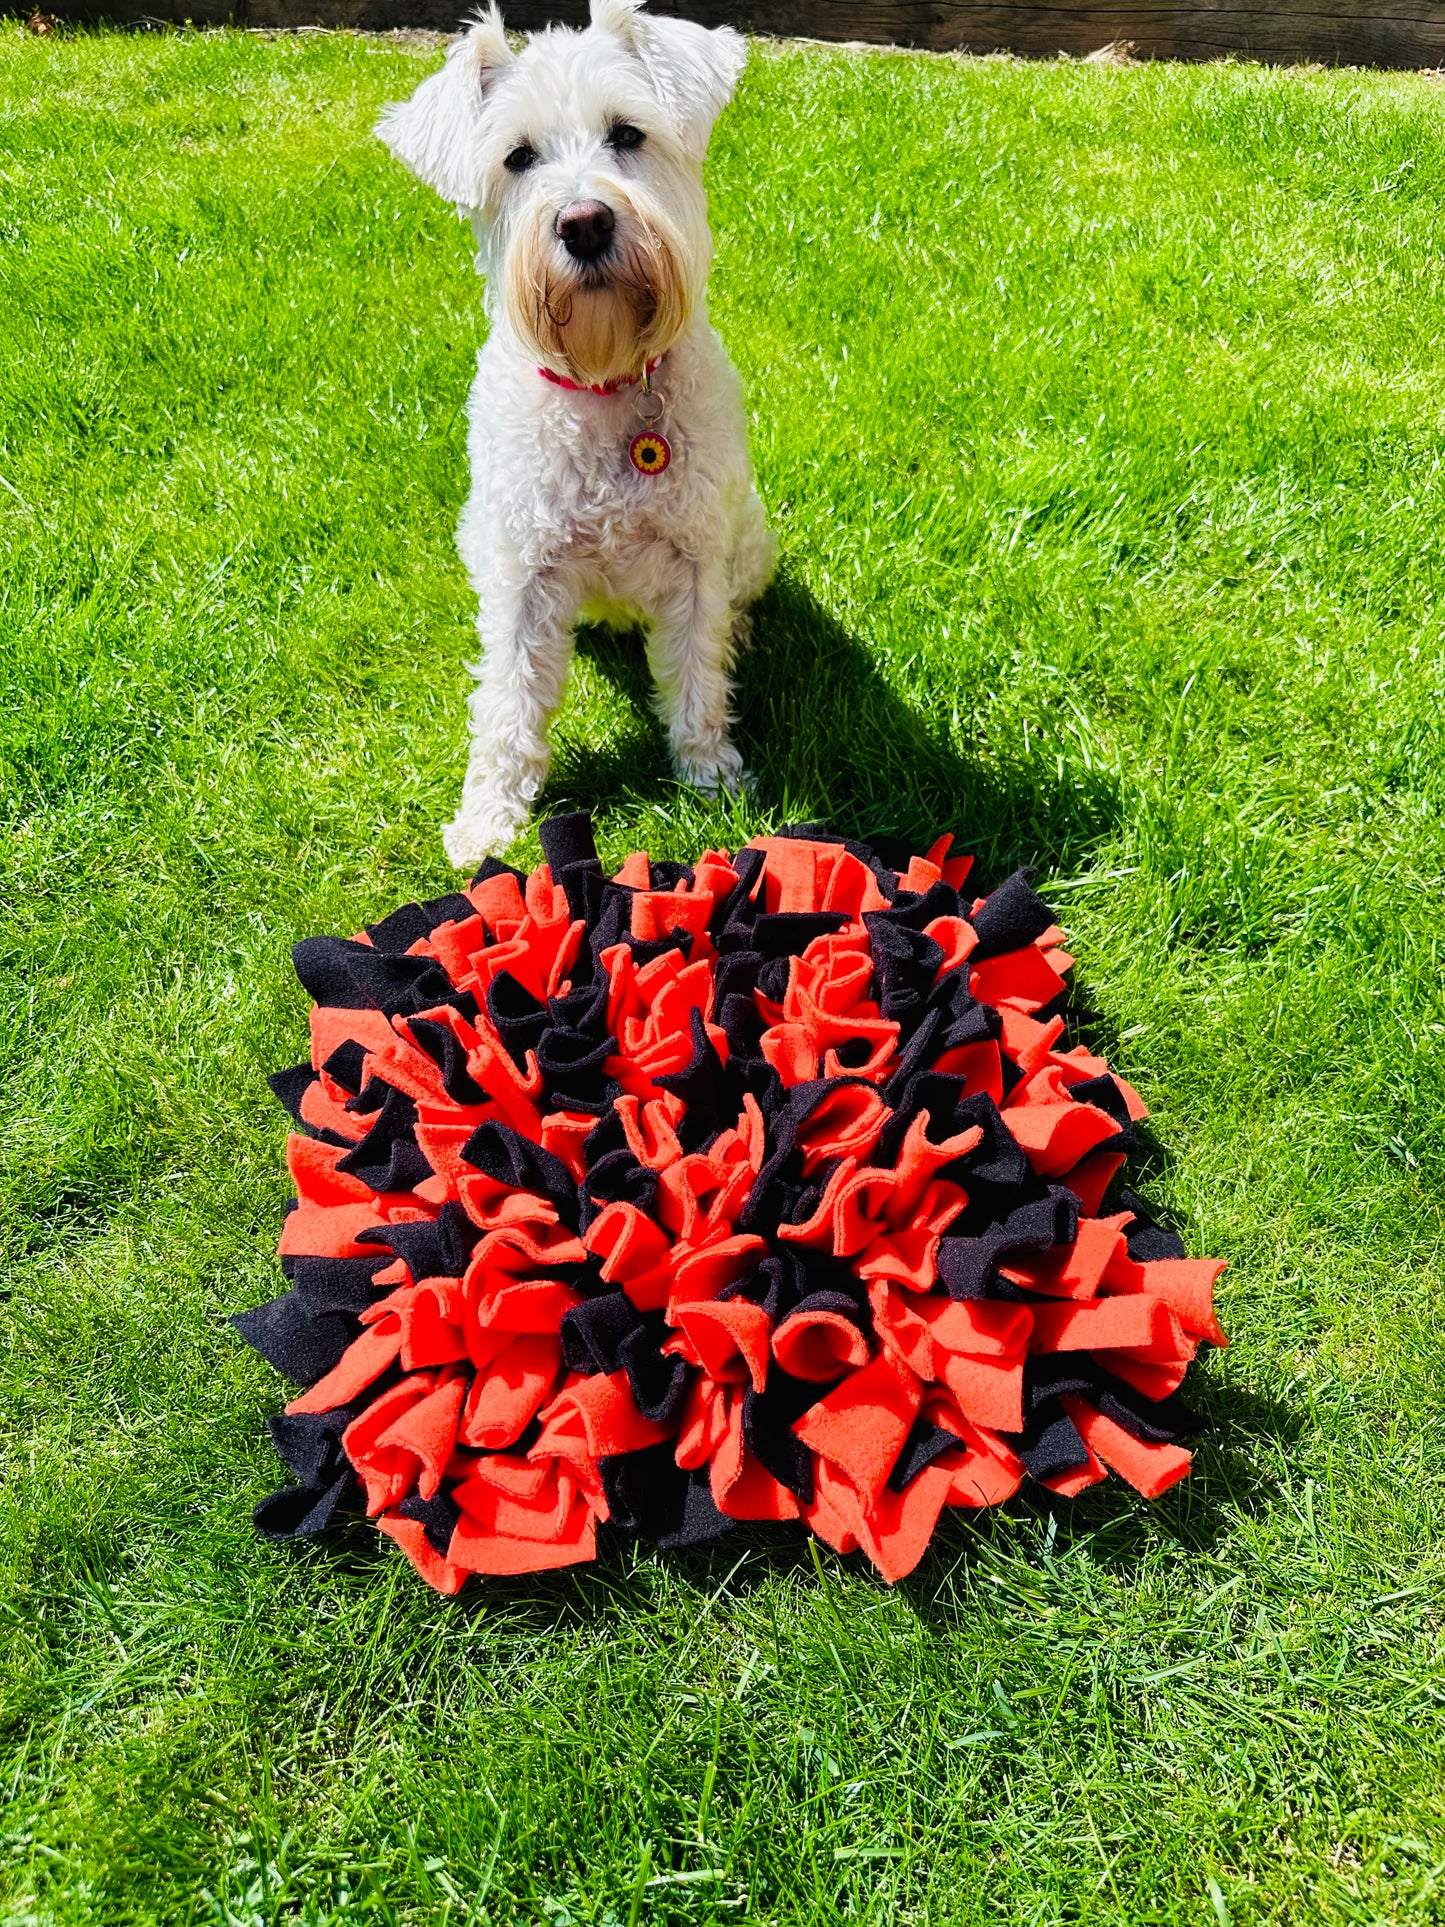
[1101,417]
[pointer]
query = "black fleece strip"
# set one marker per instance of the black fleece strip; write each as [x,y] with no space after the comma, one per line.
[301,1344]
[340,1284]
[388,1158]
[924,1444]
[567,839]
[592,1334]
[346,1066]
[787,933]
[414,923]
[300,1512]
[768,1420]
[912,909]
[735,918]
[658,1384]
[444,1048]
[701,1521]
[511,1159]
[1050,1444]
[439,1247]
[437,1516]
[646,1491]
[309,1444]
[905,963]
[342,975]
[493,867]
[711,1098]
[1009,918]
[518,1017]
[966,1265]
[1146,1239]
[290,1086]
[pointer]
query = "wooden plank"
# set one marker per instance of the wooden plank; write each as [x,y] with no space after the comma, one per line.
[1391,33]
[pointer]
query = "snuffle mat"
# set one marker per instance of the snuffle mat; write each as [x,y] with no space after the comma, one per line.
[760,1188]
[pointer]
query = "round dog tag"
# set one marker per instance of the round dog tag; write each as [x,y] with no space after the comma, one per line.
[649,452]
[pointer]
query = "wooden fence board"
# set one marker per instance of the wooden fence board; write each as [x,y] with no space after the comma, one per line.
[1393,33]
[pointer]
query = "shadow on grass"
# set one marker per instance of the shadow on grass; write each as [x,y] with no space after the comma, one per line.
[830,739]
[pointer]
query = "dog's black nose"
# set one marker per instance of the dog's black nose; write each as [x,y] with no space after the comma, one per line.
[585,229]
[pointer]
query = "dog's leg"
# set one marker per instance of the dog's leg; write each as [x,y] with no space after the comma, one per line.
[689,649]
[526,635]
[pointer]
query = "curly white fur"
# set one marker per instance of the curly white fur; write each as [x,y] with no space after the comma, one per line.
[559,524]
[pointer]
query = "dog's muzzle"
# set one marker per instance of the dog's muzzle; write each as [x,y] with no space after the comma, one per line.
[585,229]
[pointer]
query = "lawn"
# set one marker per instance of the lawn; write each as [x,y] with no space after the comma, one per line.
[1100,414]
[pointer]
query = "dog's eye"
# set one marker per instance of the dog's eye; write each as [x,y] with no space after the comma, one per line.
[624,137]
[520,159]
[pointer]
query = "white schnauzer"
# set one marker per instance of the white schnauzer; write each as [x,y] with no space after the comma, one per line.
[610,469]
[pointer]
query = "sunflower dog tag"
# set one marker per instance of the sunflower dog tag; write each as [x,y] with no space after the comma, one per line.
[650,452]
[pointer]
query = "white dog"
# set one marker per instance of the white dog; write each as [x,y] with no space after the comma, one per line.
[608,443]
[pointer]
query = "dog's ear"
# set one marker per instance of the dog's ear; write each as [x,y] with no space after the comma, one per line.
[694,69]
[435,132]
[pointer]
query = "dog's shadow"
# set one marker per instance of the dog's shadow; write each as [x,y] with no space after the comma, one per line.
[830,739]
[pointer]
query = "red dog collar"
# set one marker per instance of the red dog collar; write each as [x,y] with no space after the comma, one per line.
[601,387]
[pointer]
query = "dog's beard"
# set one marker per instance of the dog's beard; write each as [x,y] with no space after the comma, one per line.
[598,322]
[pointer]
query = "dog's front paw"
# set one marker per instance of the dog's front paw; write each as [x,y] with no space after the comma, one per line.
[724,770]
[483,828]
